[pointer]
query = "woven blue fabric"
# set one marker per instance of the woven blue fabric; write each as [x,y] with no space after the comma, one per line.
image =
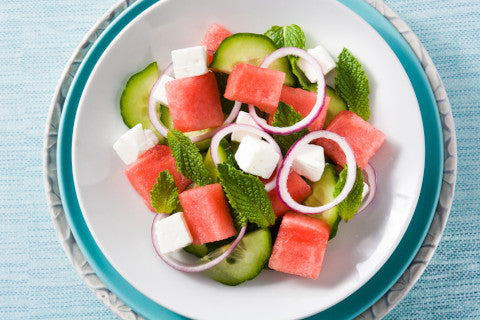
[37,281]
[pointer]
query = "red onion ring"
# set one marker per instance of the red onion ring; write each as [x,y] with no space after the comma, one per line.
[152,104]
[181,266]
[371,177]
[319,103]
[245,127]
[160,127]
[287,164]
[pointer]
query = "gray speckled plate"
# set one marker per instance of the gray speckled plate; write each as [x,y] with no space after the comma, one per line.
[378,309]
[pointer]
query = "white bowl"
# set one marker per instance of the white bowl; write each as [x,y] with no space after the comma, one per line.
[120,222]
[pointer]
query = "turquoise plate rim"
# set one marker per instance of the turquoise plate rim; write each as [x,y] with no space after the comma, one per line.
[357,302]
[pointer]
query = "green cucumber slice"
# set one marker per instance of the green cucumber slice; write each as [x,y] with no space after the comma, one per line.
[335,106]
[245,262]
[208,162]
[322,193]
[134,99]
[249,48]
[198,250]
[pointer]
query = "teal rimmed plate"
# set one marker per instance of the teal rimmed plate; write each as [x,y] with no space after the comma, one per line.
[359,300]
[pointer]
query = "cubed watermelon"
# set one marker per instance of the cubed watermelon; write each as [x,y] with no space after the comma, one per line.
[214,36]
[300,245]
[194,102]
[298,188]
[207,214]
[143,173]
[259,86]
[303,101]
[363,138]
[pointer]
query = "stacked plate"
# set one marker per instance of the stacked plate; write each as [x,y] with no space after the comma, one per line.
[91,199]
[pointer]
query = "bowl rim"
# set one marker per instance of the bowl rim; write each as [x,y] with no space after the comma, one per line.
[51,179]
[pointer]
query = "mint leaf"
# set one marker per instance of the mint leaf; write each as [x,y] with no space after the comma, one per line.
[276,34]
[286,116]
[247,195]
[287,36]
[164,194]
[348,207]
[351,84]
[189,159]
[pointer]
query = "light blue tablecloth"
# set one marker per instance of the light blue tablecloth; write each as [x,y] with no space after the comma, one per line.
[37,281]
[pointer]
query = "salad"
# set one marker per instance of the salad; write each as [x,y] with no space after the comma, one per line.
[245,154]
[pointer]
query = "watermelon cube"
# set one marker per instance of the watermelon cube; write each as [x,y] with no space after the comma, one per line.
[363,138]
[214,36]
[259,86]
[207,214]
[194,102]
[143,173]
[300,245]
[298,188]
[303,101]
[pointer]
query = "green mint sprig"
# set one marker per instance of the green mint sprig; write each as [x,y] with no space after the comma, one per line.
[164,194]
[351,84]
[286,116]
[348,207]
[188,158]
[247,195]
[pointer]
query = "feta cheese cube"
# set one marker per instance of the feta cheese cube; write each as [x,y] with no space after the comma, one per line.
[134,142]
[244,118]
[257,157]
[327,63]
[150,141]
[172,233]
[310,162]
[159,92]
[189,62]
[366,190]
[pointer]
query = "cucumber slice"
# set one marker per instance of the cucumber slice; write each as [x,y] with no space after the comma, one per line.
[134,99]
[208,162]
[201,250]
[249,48]
[335,106]
[198,250]
[245,262]
[322,193]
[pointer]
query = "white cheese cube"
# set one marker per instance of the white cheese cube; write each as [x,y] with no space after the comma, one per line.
[244,118]
[172,233]
[257,157]
[310,162]
[134,142]
[366,190]
[327,63]
[159,92]
[189,62]
[150,141]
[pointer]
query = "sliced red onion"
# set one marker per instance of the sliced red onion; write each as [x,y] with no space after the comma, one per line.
[371,177]
[152,104]
[319,103]
[282,177]
[160,127]
[182,266]
[248,128]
